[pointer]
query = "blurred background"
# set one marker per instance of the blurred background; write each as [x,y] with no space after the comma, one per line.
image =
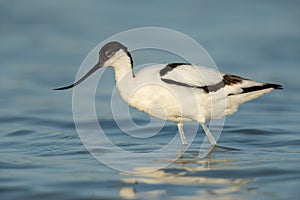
[42,44]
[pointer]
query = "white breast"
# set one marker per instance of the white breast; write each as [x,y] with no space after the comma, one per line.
[148,93]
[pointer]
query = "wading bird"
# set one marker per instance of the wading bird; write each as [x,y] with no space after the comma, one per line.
[177,92]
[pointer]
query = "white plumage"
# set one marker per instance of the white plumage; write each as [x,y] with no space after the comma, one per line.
[177,92]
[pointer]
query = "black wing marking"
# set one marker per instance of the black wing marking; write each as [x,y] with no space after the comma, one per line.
[206,88]
[169,67]
[228,79]
[262,87]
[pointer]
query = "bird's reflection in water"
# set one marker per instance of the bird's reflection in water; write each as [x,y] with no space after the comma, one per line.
[188,177]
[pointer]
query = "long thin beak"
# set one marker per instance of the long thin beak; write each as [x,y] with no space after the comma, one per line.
[95,68]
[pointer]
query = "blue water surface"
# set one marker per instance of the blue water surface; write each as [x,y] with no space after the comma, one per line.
[43,43]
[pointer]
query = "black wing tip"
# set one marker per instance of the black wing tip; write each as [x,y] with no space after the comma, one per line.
[262,87]
[274,86]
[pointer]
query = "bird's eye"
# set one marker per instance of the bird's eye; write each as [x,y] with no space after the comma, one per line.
[109,53]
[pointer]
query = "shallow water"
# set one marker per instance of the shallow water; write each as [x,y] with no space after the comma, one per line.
[41,47]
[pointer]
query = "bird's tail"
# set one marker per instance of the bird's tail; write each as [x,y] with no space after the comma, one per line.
[249,93]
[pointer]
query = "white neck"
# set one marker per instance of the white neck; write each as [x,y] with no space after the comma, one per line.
[121,63]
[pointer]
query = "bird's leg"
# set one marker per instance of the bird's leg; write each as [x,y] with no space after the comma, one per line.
[181,133]
[208,134]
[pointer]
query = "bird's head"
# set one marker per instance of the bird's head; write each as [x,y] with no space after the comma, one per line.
[108,55]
